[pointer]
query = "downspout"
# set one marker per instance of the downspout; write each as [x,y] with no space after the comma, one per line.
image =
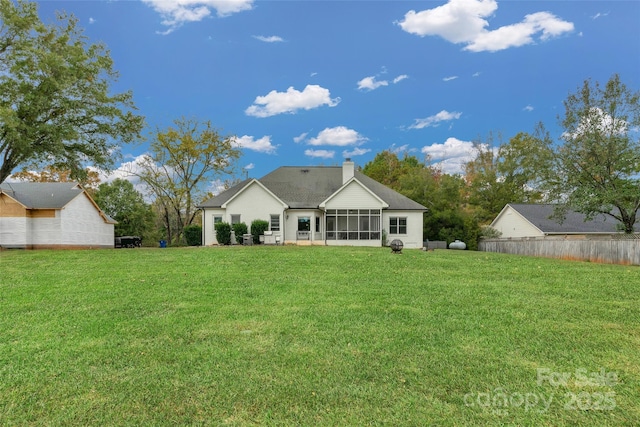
[204,228]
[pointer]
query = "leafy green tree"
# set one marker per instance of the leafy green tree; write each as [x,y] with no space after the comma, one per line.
[56,100]
[121,201]
[182,160]
[597,169]
[511,172]
[522,162]
[388,169]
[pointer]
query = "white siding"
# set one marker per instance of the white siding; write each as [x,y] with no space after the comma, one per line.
[80,224]
[354,196]
[208,215]
[14,232]
[46,231]
[415,224]
[511,224]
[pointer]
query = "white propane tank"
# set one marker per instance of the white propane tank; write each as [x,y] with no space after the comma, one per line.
[457,245]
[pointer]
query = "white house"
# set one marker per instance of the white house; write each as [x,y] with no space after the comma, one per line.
[537,221]
[322,205]
[52,215]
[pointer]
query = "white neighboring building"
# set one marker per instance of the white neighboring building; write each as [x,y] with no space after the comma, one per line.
[517,221]
[321,205]
[52,215]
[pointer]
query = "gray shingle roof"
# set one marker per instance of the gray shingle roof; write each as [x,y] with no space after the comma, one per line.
[307,187]
[46,195]
[42,195]
[540,216]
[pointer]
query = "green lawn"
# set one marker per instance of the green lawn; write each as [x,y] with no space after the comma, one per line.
[315,336]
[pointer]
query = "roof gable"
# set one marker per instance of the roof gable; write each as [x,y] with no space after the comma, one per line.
[246,187]
[353,182]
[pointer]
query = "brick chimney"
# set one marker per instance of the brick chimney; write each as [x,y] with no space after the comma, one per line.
[348,170]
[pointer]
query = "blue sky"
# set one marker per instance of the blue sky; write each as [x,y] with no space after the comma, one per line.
[313,82]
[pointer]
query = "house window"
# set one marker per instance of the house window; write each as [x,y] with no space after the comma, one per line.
[274,224]
[397,225]
[353,224]
[235,219]
[217,219]
[304,223]
[317,224]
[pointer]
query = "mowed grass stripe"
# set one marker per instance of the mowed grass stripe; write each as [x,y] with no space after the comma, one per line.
[311,336]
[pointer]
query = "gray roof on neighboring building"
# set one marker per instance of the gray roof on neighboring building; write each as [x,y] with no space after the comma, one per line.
[46,195]
[541,215]
[307,187]
[42,195]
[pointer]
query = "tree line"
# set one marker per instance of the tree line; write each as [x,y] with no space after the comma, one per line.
[58,115]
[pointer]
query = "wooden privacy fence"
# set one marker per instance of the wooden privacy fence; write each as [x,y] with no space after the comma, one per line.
[611,251]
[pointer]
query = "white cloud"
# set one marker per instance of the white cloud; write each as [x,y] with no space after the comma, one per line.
[177,12]
[599,15]
[435,120]
[323,154]
[270,39]
[452,155]
[400,78]
[528,108]
[355,152]
[127,170]
[298,139]
[217,186]
[370,83]
[249,166]
[262,145]
[464,22]
[313,96]
[448,79]
[339,136]
[476,74]
[91,20]
[399,149]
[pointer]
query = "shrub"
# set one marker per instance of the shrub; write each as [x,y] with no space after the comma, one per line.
[489,232]
[258,227]
[193,235]
[223,233]
[239,229]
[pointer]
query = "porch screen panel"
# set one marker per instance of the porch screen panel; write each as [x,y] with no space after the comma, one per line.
[353,224]
[331,225]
